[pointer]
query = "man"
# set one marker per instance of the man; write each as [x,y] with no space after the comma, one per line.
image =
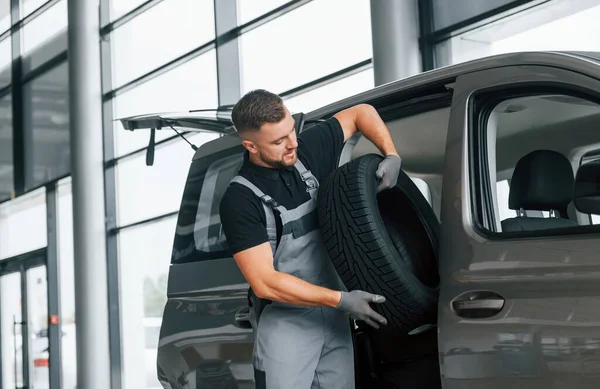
[300,307]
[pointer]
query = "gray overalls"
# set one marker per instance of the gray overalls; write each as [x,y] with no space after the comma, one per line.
[295,346]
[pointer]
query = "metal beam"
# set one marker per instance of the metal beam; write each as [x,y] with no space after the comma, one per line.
[228,54]
[25,336]
[395,34]
[19,160]
[52,271]
[426,28]
[85,107]
[110,195]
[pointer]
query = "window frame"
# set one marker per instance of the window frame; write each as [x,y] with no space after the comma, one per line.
[479,107]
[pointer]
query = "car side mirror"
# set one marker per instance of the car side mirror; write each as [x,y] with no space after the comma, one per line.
[587,188]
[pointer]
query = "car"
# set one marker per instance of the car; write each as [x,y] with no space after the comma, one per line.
[492,270]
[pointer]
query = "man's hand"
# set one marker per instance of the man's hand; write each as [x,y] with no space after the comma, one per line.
[356,303]
[387,172]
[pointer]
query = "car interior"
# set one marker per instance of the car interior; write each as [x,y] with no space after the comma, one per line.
[532,141]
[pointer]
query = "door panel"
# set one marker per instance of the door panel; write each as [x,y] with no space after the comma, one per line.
[24,323]
[533,320]
[37,327]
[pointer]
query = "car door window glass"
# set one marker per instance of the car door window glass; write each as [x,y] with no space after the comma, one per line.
[199,235]
[529,146]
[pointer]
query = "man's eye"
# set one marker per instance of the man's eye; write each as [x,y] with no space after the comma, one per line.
[279,142]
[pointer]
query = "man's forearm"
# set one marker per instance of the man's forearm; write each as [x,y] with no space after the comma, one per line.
[286,288]
[371,126]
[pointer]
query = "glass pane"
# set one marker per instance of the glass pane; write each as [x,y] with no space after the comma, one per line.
[6,153]
[192,85]
[4,15]
[447,13]
[5,61]
[46,123]
[595,219]
[23,224]
[28,6]
[67,284]
[545,27]
[284,53]
[144,192]
[332,92]
[144,254]
[37,317]
[251,9]
[12,340]
[139,46]
[119,8]
[45,28]
[200,235]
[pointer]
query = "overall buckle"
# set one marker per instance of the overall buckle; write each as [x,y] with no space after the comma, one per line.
[311,184]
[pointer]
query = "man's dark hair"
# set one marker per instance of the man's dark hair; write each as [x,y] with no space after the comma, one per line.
[256,108]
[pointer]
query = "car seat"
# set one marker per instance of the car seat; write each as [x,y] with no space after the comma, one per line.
[542,181]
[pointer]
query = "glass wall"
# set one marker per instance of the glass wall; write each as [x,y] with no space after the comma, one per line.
[23,224]
[144,43]
[144,254]
[569,25]
[329,93]
[192,85]
[284,54]
[46,127]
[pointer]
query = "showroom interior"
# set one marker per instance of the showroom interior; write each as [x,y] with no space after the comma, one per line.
[71,68]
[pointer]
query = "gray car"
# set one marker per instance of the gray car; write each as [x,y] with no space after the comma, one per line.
[502,150]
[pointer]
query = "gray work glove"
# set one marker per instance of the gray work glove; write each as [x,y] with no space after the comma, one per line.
[356,303]
[387,172]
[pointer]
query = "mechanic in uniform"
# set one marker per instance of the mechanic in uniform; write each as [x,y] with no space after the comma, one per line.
[300,308]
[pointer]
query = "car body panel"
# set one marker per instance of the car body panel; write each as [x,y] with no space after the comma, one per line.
[547,334]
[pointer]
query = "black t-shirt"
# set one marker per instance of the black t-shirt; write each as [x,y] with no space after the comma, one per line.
[241,211]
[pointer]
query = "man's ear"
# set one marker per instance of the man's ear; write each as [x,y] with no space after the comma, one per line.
[250,146]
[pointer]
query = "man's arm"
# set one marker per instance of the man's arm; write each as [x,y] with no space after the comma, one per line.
[365,119]
[256,264]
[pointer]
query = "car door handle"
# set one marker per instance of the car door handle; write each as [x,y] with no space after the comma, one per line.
[478,305]
[242,318]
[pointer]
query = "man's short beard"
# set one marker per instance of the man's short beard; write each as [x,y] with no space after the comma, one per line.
[276,164]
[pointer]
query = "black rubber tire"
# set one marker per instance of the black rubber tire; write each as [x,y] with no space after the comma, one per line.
[395,255]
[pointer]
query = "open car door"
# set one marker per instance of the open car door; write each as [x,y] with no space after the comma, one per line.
[209,120]
[212,120]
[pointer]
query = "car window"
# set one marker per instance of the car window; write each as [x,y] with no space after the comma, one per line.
[199,235]
[527,149]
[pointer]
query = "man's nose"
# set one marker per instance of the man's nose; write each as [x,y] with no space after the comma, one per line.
[293,144]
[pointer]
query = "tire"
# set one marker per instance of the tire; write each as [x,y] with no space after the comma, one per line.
[384,243]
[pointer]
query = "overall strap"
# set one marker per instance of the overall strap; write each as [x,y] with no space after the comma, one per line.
[268,205]
[311,182]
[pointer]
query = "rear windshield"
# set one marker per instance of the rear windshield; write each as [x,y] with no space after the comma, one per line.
[198,234]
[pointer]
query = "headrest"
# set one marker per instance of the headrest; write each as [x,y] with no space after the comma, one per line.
[587,188]
[542,180]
